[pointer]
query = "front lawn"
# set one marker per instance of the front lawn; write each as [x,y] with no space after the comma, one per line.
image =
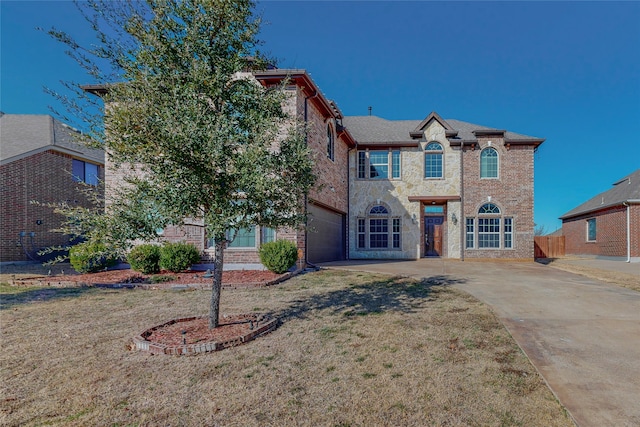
[353,349]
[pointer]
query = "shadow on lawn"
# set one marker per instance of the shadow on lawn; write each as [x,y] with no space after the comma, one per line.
[394,294]
[14,298]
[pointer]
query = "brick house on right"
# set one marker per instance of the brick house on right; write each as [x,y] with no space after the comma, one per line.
[607,225]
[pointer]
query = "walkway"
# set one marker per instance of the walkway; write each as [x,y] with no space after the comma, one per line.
[582,335]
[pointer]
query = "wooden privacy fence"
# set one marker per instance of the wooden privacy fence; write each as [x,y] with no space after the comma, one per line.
[549,246]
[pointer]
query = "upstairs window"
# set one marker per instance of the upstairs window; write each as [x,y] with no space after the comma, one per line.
[379,164]
[489,163]
[85,172]
[330,142]
[433,160]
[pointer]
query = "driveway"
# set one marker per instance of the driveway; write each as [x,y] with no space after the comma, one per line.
[582,335]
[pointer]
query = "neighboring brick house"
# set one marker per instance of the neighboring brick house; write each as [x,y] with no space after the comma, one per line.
[39,161]
[441,188]
[607,225]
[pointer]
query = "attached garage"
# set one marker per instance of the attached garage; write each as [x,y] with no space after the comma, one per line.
[325,235]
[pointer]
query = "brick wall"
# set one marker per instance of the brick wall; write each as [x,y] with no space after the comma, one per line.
[634,215]
[512,192]
[611,233]
[331,185]
[44,177]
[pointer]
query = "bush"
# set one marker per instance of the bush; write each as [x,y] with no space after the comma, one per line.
[177,257]
[279,256]
[90,257]
[145,258]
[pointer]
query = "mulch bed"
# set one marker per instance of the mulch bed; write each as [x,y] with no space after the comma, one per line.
[115,277]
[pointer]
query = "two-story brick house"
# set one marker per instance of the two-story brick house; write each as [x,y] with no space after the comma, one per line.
[401,189]
[40,161]
[327,204]
[439,187]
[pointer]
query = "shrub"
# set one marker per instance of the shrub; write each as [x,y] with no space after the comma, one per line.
[278,256]
[89,257]
[145,258]
[177,257]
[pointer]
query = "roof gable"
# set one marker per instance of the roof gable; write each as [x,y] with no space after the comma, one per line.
[22,135]
[419,130]
[625,190]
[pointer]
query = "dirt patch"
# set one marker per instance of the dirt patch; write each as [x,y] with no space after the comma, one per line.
[614,277]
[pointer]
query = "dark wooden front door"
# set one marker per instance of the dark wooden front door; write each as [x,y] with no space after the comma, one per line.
[433,235]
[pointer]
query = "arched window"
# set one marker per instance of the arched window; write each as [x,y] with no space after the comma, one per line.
[433,160]
[488,226]
[489,163]
[489,208]
[378,230]
[330,142]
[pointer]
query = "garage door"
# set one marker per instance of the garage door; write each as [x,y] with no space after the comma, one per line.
[325,236]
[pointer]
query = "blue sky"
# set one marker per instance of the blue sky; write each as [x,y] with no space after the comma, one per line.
[568,72]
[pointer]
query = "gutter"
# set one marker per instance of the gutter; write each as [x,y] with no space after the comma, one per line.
[462,221]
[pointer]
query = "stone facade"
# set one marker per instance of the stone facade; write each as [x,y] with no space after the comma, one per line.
[449,202]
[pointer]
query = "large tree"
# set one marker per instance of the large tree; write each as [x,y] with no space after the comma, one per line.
[200,137]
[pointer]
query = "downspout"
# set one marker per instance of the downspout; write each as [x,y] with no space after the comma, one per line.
[463,220]
[628,230]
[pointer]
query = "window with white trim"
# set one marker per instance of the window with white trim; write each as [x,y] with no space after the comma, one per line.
[489,163]
[433,155]
[379,164]
[362,233]
[379,230]
[470,233]
[489,230]
[508,233]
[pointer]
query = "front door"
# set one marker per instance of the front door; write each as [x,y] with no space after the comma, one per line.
[433,235]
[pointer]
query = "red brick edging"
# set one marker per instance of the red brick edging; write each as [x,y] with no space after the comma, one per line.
[266,325]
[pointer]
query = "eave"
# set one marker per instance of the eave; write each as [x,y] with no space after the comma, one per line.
[387,145]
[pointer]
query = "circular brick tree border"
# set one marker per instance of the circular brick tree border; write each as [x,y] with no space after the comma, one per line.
[263,325]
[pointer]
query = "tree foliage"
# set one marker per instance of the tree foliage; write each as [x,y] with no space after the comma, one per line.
[193,132]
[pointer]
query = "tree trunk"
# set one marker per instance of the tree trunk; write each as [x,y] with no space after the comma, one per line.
[216,286]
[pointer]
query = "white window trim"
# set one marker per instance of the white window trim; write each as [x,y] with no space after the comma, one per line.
[424,161]
[497,160]
[367,230]
[367,165]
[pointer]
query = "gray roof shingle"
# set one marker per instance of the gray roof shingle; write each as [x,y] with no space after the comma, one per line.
[24,134]
[628,188]
[373,129]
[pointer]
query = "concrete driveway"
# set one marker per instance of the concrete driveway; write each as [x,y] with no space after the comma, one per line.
[582,335]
